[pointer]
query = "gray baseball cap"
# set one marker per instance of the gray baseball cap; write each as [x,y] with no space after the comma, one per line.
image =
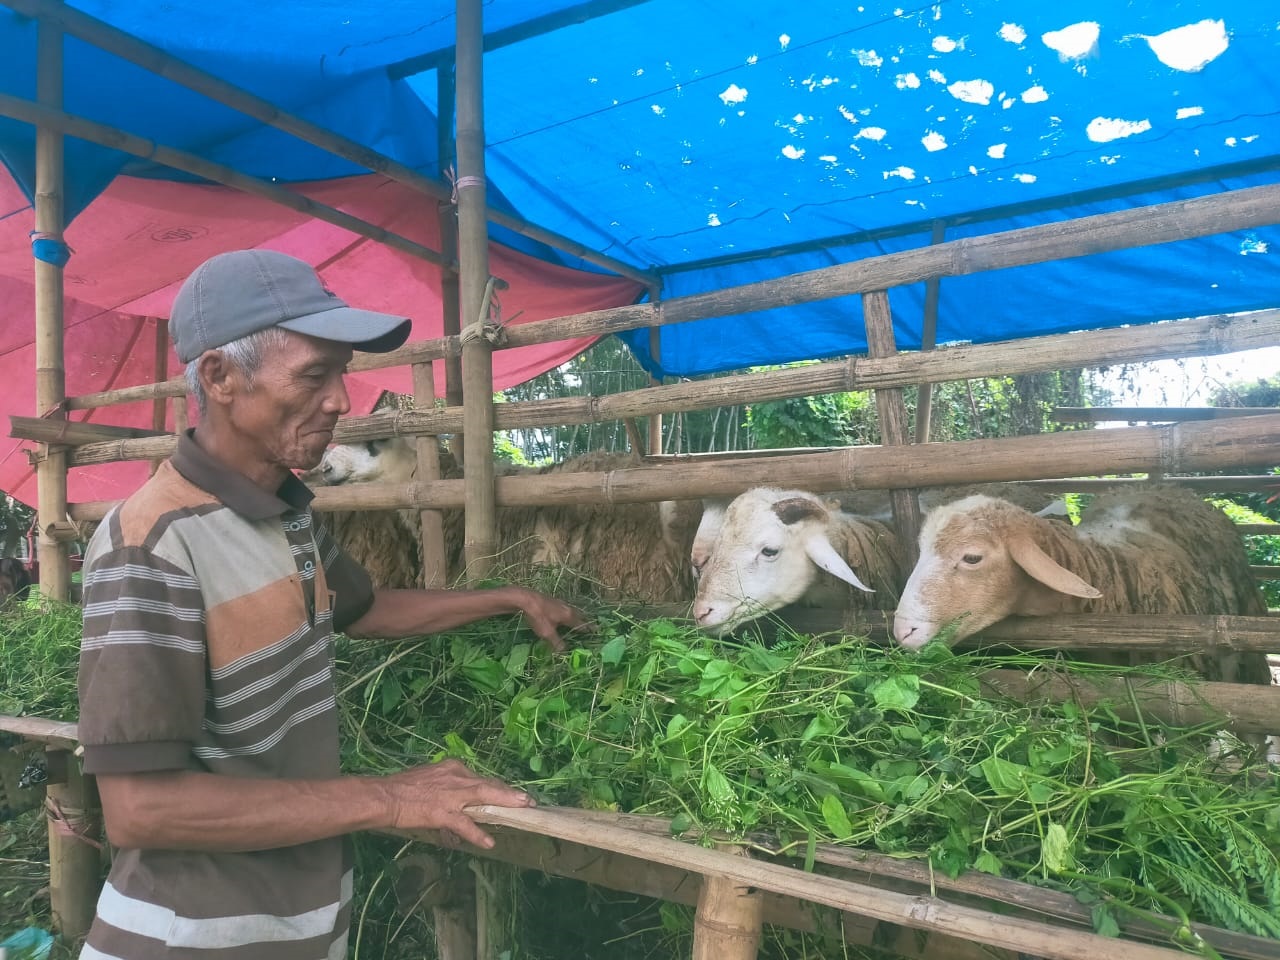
[235,294]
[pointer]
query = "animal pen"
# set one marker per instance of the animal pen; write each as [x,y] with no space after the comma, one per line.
[735,893]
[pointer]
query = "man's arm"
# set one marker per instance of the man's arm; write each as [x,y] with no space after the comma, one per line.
[187,810]
[408,613]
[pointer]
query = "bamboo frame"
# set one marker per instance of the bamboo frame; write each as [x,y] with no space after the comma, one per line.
[891,411]
[1202,336]
[729,918]
[434,561]
[920,912]
[929,338]
[480,539]
[1173,448]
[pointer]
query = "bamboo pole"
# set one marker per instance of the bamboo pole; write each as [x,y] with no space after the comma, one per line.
[29,112]
[51,469]
[158,405]
[74,842]
[655,419]
[729,918]
[1204,336]
[434,561]
[180,421]
[1185,447]
[152,58]
[450,295]
[72,433]
[1158,414]
[919,911]
[891,411]
[929,339]
[480,539]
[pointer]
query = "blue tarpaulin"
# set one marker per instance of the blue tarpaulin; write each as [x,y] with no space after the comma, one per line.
[720,143]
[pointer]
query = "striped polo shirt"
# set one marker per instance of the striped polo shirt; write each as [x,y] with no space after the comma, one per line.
[209,609]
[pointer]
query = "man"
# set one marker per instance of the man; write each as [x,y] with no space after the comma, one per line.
[207,705]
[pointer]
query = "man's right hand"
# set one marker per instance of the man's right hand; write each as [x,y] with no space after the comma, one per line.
[434,797]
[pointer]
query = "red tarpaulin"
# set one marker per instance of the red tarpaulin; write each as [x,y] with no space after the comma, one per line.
[140,238]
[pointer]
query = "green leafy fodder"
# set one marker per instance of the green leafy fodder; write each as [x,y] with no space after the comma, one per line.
[39,652]
[844,743]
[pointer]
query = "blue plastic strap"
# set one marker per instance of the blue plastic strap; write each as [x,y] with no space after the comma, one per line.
[48,250]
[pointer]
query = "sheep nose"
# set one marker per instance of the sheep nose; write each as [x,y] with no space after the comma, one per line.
[903,630]
[702,611]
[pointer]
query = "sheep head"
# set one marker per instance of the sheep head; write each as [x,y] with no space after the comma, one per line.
[770,550]
[981,560]
[391,460]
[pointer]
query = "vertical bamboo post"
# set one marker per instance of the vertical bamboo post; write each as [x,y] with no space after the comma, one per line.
[892,412]
[929,340]
[158,405]
[73,846]
[180,420]
[455,938]
[655,351]
[495,908]
[51,386]
[480,538]
[434,561]
[448,216]
[729,920]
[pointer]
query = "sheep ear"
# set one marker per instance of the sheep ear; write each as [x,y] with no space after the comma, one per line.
[795,509]
[828,558]
[1042,567]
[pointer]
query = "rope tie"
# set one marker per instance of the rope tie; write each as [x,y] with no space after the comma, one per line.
[73,823]
[489,326]
[457,183]
[49,248]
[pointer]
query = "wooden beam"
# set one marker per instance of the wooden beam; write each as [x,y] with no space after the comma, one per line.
[74,432]
[50,347]
[919,912]
[30,112]
[56,733]
[152,58]
[929,339]
[1228,444]
[1202,336]
[1152,414]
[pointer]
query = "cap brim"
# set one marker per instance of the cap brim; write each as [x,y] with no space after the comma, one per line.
[363,329]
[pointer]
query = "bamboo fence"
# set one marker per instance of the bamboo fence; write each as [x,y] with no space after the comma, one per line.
[734,893]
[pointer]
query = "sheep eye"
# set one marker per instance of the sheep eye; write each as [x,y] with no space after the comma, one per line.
[769,552]
[972,559]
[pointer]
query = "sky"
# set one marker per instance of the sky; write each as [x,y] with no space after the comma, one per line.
[1190,382]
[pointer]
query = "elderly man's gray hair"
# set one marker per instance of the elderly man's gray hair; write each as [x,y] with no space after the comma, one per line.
[246,354]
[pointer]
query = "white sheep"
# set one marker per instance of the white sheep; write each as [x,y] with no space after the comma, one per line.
[875,505]
[630,551]
[1160,550]
[777,547]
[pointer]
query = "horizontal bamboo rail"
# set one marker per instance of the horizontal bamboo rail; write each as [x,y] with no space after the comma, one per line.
[133,50]
[878,868]
[1201,336]
[1140,414]
[1206,485]
[1258,529]
[917,911]
[1145,634]
[1010,358]
[28,111]
[1175,448]
[74,432]
[57,733]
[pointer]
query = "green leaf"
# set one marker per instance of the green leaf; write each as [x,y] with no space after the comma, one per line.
[897,693]
[716,785]
[1005,777]
[513,663]
[837,821]
[988,862]
[680,823]
[535,763]
[486,674]
[1104,921]
[611,653]
[391,692]
[1055,849]
[822,725]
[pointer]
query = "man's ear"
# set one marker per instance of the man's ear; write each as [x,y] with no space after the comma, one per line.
[221,380]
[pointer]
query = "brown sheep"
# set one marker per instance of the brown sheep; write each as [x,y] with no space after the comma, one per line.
[1160,550]
[634,551]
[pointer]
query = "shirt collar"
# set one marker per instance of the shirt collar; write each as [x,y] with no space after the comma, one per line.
[232,487]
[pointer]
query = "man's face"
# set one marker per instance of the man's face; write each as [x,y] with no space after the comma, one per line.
[297,396]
